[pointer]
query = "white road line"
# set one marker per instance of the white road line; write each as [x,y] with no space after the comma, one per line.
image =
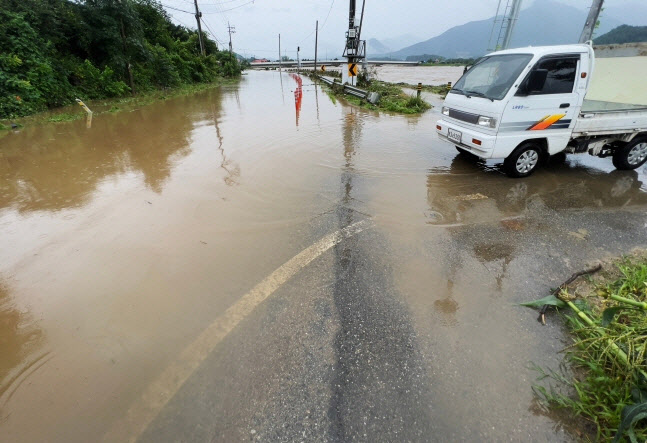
[143,411]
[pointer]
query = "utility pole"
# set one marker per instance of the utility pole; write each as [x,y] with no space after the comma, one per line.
[355,50]
[316,42]
[198,16]
[514,16]
[129,70]
[232,30]
[591,21]
[279,52]
[298,59]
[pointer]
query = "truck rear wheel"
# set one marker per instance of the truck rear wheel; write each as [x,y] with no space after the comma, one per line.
[631,155]
[523,161]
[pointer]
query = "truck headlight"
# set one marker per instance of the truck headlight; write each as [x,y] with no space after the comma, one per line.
[490,122]
[445,110]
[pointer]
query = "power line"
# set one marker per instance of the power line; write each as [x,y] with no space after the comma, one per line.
[324,23]
[176,9]
[308,36]
[222,16]
[212,33]
[221,3]
[231,9]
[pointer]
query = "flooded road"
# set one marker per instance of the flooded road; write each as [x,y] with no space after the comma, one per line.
[259,262]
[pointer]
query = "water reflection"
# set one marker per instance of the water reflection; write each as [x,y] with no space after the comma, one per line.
[469,191]
[495,254]
[232,171]
[317,100]
[447,307]
[52,167]
[20,341]
[298,94]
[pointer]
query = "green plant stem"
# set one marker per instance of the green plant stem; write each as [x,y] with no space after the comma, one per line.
[616,350]
[638,304]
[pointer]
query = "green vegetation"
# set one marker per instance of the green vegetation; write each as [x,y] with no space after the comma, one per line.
[440,90]
[623,34]
[392,98]
[441,61]
[117,104]
[53,51]
[609,353]
[65,117]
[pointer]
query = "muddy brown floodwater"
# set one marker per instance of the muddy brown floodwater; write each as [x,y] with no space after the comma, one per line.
[367,279]
[427,75]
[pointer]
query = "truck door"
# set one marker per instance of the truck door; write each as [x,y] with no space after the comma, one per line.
[550,112]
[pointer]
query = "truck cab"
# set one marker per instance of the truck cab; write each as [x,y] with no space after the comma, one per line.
[523,104]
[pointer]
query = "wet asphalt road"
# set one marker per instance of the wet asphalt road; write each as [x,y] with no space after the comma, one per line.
[407,330]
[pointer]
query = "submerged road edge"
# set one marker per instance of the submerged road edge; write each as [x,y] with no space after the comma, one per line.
[144,410]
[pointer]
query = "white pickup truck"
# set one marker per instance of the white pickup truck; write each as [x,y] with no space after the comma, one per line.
[524,105]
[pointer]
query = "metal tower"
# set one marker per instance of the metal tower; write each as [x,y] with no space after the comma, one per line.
[505,23]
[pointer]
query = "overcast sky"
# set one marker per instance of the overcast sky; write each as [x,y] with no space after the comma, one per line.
[259,22]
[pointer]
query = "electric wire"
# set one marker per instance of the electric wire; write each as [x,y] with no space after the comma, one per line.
[231,9]
[312,32]
[212,33]
[324,23]
[177,9]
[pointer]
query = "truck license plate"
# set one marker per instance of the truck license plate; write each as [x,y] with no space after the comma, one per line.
[454,136]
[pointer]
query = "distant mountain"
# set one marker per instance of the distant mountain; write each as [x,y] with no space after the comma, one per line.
[374,46]
[630,13]
[623,34]
[543,23]
[400,41]
[387,45]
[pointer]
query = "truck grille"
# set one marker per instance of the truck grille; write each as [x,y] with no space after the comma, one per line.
[464,116]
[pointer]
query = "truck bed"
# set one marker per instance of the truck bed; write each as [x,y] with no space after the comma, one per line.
[616,100]
[602,117]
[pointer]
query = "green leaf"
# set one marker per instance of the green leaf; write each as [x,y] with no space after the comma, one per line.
[549,300]
[609,314]
[630,416]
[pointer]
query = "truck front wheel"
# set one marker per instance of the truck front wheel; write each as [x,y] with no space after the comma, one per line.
[523,161]
[631,155]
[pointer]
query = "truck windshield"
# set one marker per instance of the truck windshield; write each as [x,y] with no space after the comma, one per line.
[491,77]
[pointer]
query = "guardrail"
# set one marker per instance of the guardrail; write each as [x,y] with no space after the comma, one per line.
[352,90]
[348,89]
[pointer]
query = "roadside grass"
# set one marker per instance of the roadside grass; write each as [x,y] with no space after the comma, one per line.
[332,97]
[440,90]
[608,356]
[392,98]
[441,64]
[65,117]
[113,105]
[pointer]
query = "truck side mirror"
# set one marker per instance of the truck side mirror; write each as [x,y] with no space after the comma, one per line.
[536,80]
